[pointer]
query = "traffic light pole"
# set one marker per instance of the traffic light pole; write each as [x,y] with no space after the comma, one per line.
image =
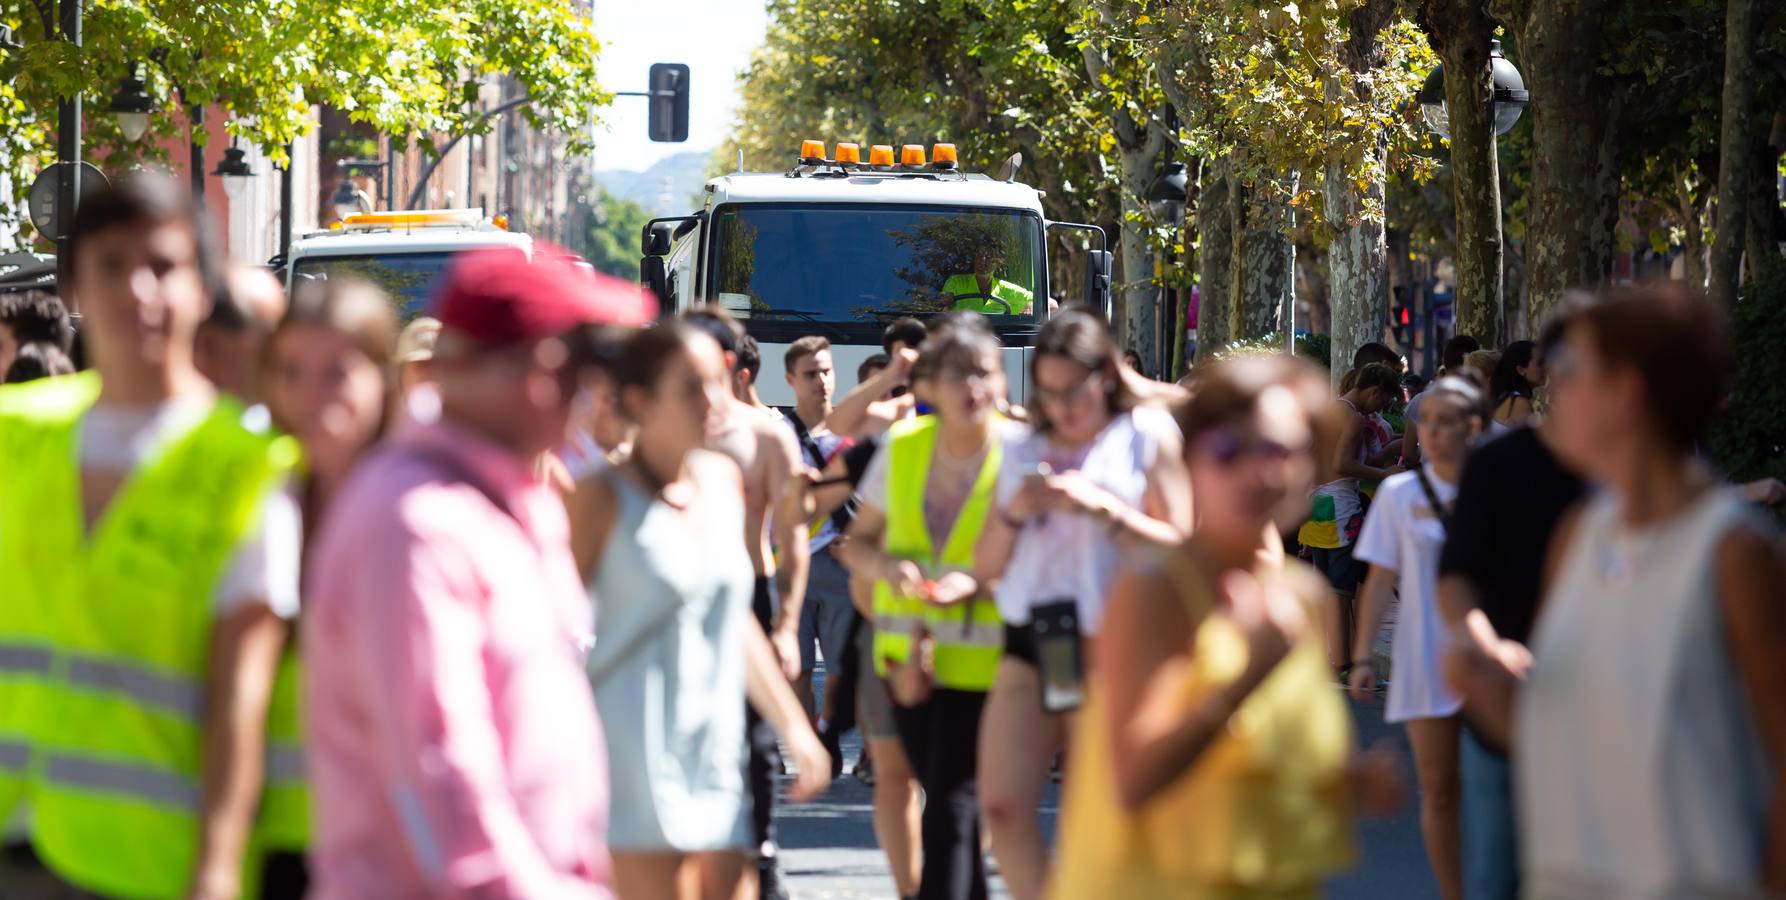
[68,149]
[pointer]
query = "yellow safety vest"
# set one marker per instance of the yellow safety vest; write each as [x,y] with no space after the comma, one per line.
[114,632]
[968,637]
[969,285]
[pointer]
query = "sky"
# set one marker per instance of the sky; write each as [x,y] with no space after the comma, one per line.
[713,37]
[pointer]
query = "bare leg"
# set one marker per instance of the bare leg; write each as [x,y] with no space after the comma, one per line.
[896,813]
[721,873]
[1435,765]
[1018,741]
[647,876]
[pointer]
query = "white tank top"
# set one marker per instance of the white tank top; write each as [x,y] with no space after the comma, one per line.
[1064,556]
[1639,768]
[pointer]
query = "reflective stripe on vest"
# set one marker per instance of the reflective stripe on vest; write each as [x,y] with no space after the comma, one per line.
[159,787]
[968,637]
[285,763]
[25,659]
[113,729]
[14,755]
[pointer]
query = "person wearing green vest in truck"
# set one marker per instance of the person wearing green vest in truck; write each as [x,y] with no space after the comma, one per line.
[924,501]
[982,291]
[152,565]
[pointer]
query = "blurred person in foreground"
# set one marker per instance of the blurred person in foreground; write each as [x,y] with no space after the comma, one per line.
[1212,757]
[325,378]
[1647,725]
[1404,532]
[677,651]
[152,572]
[452,737]
[227,345]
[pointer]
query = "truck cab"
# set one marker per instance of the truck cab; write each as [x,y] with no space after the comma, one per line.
[840,249]
[405,253]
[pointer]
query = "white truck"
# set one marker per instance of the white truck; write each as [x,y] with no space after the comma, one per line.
[840,248]
[403,252]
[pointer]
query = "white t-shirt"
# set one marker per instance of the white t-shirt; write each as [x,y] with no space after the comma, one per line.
[1403,534]
[1060,556]
[265,564]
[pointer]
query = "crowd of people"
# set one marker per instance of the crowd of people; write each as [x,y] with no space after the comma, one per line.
[526,598]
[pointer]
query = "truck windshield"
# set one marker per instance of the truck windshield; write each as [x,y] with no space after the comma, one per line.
[866,264]
[407,277]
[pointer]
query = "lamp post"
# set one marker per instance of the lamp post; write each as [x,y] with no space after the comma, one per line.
[1169,191]
[1476,179]
[1509,100]
[68,146]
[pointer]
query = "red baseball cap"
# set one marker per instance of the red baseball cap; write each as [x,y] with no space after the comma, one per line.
[500,297]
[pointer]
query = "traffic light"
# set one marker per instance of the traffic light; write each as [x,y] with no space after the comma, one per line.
[668,103]
[1401,316]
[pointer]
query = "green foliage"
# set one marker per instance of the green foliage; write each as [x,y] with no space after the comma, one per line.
[1315,348]
[407,67]
[1749,440]
[610,242]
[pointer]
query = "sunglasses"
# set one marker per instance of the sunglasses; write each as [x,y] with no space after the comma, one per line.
[1227,446]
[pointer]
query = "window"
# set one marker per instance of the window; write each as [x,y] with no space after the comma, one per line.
[863,265]
[408,277]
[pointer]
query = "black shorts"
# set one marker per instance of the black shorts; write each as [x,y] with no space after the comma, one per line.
[764,600]
[1343,572]
[1020,645]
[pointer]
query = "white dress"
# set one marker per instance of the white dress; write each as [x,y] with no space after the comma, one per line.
[1639,771]
[1401,533]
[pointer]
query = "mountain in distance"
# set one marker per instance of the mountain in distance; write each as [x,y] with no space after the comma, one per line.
[665,189]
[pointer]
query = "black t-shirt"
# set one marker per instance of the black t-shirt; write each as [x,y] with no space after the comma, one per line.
[1512,494]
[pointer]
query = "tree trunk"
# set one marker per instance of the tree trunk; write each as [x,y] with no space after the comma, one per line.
[1266,276]
[1693,217]
[1133,317]
[1215,257]
[1735,147]
[1460,30]
[1357,267]
[1573,196]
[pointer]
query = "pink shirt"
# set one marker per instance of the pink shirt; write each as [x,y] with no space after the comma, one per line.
[453,748]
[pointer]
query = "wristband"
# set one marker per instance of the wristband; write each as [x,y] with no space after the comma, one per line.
[1362,662]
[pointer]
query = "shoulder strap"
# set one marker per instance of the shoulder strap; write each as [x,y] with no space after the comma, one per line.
[1440,510]
[808,446]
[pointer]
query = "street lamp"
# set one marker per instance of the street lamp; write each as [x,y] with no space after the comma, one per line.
[1168,194]
[1510,95]
[234,170]
[132,104]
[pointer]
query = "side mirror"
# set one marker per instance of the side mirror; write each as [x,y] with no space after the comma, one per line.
[655,277]
[656,239]
[1098,264]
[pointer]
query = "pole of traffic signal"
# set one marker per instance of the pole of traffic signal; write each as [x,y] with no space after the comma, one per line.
[68,150]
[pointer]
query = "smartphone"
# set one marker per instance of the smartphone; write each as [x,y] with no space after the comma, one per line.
[1056,628]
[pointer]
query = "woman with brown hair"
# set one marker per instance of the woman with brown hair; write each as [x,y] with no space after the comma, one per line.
[325,376]
[1646,721]
[1098,473]
[1213,758]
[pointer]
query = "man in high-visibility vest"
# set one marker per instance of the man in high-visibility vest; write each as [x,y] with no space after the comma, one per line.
[152,568]
[982,291]
[923,504]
